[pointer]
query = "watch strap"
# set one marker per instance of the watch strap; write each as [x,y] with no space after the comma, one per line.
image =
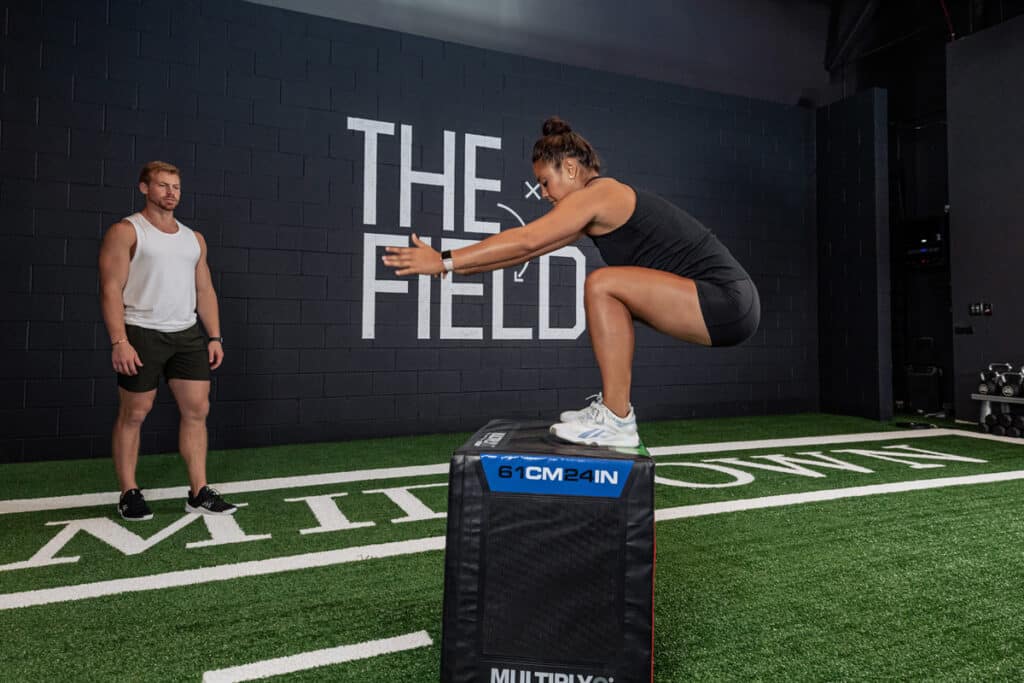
[447,261]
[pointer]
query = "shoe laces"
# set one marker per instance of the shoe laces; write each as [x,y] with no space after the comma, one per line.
[595,414]
[592,409]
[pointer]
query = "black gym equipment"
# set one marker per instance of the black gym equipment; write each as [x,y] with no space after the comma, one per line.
[549,560]
[992,378]
[924,388]
[914,425]
[988,382]
[1011,384]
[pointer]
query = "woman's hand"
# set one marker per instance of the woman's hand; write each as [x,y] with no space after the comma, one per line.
[421,259]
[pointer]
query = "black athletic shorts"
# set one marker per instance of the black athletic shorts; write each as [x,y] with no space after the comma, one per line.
[175,355]
[731,310]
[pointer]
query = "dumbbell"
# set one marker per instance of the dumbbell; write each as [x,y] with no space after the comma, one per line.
[1011,383]
[991,420]
[988,382]
[1005,420]
[1018,422]
[999,430]
[1013,431]
[991,382]
[983,428]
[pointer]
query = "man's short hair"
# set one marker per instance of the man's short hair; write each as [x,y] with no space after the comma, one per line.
[156,167]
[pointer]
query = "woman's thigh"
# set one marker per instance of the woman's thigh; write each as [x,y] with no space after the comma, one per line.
[667,302]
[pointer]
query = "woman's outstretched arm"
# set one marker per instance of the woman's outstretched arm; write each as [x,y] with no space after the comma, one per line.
[514,262]
[564,224]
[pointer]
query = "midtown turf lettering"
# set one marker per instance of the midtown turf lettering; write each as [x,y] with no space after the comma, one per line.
[785,464]
[222,530]
[325,509]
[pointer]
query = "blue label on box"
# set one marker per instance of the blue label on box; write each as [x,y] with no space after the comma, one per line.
[555,475]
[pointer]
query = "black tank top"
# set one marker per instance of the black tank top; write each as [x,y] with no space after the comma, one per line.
[662,236]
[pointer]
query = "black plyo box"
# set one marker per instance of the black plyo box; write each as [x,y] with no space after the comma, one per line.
[549,560]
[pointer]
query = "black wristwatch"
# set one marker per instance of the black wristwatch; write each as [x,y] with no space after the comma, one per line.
[216,339]
[446,261]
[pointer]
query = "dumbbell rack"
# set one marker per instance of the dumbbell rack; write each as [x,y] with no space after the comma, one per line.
[988,399]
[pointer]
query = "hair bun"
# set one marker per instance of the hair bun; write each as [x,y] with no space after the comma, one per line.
[556,126]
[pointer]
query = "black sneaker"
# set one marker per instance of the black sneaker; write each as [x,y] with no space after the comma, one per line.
[209,502]
[132,506]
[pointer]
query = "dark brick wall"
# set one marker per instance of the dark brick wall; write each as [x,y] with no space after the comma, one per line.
[255,104]
[854,307]
[986,164]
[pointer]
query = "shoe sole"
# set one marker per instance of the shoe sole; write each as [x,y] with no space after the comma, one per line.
[204,511]
[135,519]
[631,443]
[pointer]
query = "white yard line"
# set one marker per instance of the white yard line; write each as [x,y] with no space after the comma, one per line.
[691,449]
[318,658]
[224,572]
[358,554]
[703,509]
[272,484]
[276,483]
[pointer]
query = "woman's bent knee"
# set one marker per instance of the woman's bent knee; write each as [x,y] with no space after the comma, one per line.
[599,283]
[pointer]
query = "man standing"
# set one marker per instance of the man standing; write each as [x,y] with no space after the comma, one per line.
[153,280]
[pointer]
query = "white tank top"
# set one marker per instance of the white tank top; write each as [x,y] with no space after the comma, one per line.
[161,290]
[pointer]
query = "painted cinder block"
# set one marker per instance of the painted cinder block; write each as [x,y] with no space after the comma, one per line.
[288,183]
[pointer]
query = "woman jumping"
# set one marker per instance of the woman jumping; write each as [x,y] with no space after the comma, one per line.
[664,268]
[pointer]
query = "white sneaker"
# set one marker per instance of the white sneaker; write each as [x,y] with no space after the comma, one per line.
[577,415]
[601,428]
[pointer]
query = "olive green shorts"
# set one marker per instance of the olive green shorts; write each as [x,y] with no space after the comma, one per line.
[175,355]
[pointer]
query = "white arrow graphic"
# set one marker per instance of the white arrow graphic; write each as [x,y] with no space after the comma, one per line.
[517,275]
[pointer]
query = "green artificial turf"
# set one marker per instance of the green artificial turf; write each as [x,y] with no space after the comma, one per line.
[916,586]
[920,585]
